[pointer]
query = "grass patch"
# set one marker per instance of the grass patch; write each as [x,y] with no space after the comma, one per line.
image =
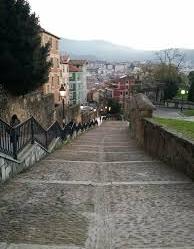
[186,128]
[188,113]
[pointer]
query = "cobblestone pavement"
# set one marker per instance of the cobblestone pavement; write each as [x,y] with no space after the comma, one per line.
[99,192]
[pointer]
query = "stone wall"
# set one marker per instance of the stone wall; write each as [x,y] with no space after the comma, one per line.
[158,141]
[41,107]
[169,147]
[71,113]
[140,107]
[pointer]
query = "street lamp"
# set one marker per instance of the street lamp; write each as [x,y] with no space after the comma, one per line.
[62,93]
[182,93]
[81,107]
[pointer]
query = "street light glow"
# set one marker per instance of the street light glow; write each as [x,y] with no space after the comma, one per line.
[183,91]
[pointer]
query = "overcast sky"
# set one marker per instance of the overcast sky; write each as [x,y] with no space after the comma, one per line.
[144,24]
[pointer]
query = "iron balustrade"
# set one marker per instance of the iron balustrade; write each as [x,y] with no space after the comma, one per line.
[54,131]
[14,139]
[21,135]
[5,142]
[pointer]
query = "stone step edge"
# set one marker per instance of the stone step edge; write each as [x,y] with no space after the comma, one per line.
[37,246]
[103,184]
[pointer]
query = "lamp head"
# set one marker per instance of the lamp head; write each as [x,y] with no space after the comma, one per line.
[62,91]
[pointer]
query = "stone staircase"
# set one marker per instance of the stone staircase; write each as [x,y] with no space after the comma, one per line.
[98,192]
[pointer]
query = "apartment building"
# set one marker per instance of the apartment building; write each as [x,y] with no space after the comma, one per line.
[53,84]
[81,65]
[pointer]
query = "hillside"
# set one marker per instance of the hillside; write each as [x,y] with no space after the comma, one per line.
[103,50]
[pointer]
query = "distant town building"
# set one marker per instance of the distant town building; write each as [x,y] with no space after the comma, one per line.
[53,84]
[122,89]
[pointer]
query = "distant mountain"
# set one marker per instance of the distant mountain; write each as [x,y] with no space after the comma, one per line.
[103,50]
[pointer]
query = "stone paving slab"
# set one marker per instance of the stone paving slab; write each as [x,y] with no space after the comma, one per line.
[123,156]
[75,156]
[152,216]
[45,213]
[63,171]
[143,171]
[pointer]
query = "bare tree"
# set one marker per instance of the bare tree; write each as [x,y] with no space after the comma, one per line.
[171,56]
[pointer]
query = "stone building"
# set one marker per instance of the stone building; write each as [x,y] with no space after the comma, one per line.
[64,70]
[53,84]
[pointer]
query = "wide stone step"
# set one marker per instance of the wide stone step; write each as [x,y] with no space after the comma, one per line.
[60,170]
[96,157]
[111,149]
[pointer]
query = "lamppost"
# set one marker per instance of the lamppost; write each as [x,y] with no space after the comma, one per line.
[182,93]
[62,93]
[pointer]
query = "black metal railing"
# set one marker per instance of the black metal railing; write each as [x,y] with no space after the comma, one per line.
[6,145]
[14,139]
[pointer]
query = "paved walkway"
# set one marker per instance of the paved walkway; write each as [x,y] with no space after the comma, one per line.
[171,113]
[99,192]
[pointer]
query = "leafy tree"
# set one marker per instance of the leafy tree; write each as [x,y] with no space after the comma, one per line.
[168,71]
[23,61]
[115,106]
[170,76]
[191,89]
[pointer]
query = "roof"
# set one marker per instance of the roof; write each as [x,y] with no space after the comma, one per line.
[78,62]
[73,69]
[46,32]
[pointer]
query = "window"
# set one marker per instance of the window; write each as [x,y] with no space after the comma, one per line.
[71,86]
[56,45]
[52,62]
[121,93]
[48,89]
[56,62]
[51,42]
[52,82]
